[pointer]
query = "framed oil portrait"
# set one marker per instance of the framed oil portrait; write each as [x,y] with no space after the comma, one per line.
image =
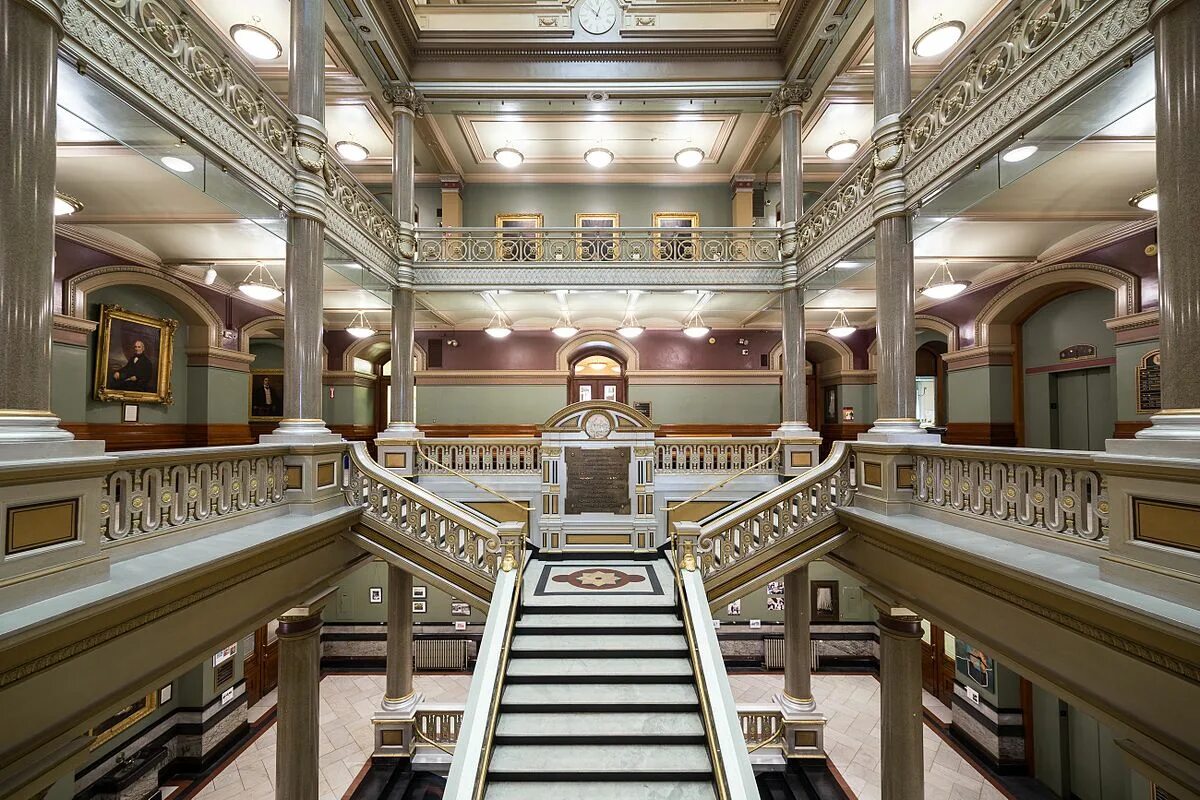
[598,240]
[824,597]
[679,244]
[520,237]
[123,719]
[266,394]
[133,357]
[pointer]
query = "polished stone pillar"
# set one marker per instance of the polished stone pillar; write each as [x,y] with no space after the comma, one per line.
[29,33]
[399,639]
[797,640]
[403,409]
[296,763]
[1176,28]
[305,280]
[895,298]
[791,167]
[902,764]
[795,389]
[406,103]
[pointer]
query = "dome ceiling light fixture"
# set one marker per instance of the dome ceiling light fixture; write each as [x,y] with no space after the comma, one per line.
[509,157]
[563,329]
[841,327]
[939,38]
[359,327]
[255,42]
[942,285]
[350,150]
[498,327]
[630,328]
[1146,199]
[259,285]
[65,205]
[689,157]
[695,328]
[843,149]
[599,157]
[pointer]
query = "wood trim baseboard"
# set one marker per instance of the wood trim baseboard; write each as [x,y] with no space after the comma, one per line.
[119,436]
[355,433]
[697,429]
[1125,429]
[992,434]
[467,431]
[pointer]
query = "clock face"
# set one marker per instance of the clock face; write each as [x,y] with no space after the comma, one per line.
[597,426]
[597,16]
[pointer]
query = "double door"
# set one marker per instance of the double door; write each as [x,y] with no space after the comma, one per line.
[262,663]
[583,389]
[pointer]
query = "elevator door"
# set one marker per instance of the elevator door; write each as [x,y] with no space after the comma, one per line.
[1083,411]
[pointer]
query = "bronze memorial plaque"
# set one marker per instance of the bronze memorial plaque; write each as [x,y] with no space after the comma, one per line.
[597,480]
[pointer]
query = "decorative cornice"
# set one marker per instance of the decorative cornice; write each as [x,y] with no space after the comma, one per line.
[73,331]
[1131,328]
[347,378]
[979,356]
[219,358]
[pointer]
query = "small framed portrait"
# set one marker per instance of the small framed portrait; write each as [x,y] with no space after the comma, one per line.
[266,394]
[847,413]
[775,587]
[824,597]
[678,242]
[734,609]
[831,406]
[420,592]
[419,607]
[129,412]
[774,603]
[459,609]
[520,237]
[133,361]
[375,595]
[598,239]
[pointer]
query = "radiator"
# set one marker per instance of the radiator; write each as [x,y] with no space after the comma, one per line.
[773,654]
[440,654]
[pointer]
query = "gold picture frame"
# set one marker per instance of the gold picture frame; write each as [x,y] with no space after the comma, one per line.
[677,246]
[122,720]
[515,245]
[133,357]
[262,406]
[597,246]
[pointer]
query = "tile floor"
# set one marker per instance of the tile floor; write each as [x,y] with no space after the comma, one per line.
[850,704]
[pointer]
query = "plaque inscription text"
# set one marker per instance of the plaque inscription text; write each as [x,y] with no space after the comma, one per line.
[597,480]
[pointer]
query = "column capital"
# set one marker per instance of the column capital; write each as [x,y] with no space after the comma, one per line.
[405,98]
[789,97]
[894,618]
[742,182]
[305,618]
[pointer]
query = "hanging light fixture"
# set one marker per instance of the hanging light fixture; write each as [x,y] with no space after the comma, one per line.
[841,327]
[843,149]
[508,157]
[65,205]
[630,328]
[359,327]
[939,38]
[259,285]
[564,329]
[599,157]
[689,157]
[498,327]
[941,283]
[210,276]
[255,42]
[1145,200]
[695,328]
[350,150]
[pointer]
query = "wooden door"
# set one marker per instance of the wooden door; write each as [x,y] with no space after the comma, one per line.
[937,668]
[262,664]
[581,389]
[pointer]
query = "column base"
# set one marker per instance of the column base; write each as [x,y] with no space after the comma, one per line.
[803,728]
[1172,434]
[899,431]
[26,436]
[396,448]
[300,431]
[394,723]
[800,450]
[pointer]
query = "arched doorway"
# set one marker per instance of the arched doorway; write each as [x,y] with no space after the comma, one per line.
[931,384]
[597,374]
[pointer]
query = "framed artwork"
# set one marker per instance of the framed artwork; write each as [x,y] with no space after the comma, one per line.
[520,239]
[734,609]
[599,241]
[123,719]
[266,394]
[420,592]
[974,663]
[459,609]
[847,413]
[679,244]
[831,406]
[129,412]
[133,357]
[375,595]
[419,607]
[774,603]
[824,596]
[775,587]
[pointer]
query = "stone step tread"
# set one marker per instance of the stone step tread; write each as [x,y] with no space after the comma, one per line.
[615,694]
[593,790]
[598,642]
[608,667]
[599,620]
[601,723]
[621,759]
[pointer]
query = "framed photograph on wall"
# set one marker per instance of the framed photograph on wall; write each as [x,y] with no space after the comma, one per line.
[459,609]
[598,240]
[824,596]
[775,588]
[520,237]
[266,394]
[774,603]
[420,592]
[419,607]
[679,242]
[831,405]
[133,357]
[375,595]
[734,609]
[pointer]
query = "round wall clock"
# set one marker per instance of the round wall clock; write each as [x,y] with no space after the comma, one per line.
[597,16]
[597,426]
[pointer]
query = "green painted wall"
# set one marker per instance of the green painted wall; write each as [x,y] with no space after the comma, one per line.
[1078,756]
[350,405]
[1129,356]
[494,404]
[268,354]
[558,203]
[1049,743]
[979,394]
[853,605]
[860,397]
[354,604]
[70,382]
[217,396]
[700,404]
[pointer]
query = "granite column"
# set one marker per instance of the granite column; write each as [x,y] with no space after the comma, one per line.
[297,775]
[902,764]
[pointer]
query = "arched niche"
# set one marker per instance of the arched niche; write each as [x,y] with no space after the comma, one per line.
[819,348]
[600,341]
[377,349]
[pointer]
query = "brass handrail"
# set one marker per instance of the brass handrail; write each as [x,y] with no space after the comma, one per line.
[477,485]
[777,734]
[421,735]
[770,457]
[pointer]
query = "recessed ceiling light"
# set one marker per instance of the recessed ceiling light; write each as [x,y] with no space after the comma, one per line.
[942,285]
[65,205]
[359,327]
[177,164]
[351,151]
[1146,200]
[842,150]
[598,157]
[938,39]
[841,327]
[508,157]
[1018,154]
[259,285]
[689,157]
[255,42]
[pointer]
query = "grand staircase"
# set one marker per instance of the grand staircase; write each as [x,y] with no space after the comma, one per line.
[599,698]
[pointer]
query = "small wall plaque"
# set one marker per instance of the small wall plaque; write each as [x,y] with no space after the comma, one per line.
[1149,383]
[1077,351]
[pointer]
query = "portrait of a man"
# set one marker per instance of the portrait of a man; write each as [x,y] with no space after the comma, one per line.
[133,362]
[266,394]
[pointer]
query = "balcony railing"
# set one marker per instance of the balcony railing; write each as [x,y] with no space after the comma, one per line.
[597,245]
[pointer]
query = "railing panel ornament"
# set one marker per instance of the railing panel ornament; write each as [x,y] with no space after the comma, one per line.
[509,457]
[711,455]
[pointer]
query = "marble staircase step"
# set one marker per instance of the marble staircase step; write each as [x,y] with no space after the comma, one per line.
[613,646]
[584,623]
[670,727]
[599,670]
[599,762]
[568,698]
[530,610]
[627,790]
